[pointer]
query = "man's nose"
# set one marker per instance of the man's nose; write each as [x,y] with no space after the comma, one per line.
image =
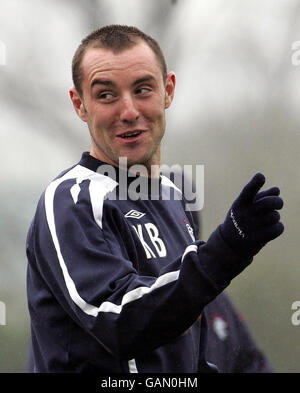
[129,111]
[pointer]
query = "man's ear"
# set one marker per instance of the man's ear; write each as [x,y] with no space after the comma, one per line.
[78,103]
[170,89]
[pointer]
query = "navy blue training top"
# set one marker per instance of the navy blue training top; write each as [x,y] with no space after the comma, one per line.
[118,284]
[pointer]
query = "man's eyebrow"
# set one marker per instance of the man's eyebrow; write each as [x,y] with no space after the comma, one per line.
[104,82]
[147,78]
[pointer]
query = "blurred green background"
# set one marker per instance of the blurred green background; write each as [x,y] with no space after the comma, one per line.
[235,111]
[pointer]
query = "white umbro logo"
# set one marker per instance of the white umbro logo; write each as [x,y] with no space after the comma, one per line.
[134,214]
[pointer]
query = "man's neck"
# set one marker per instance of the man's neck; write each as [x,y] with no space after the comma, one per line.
[151,170]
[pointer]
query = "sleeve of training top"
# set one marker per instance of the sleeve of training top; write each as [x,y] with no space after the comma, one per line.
[90,270]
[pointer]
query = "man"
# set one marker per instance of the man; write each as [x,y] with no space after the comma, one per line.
[229,345]
[116,282]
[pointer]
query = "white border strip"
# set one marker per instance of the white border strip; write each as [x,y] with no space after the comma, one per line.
[167,182]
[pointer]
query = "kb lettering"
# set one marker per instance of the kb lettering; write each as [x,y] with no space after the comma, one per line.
[156,241]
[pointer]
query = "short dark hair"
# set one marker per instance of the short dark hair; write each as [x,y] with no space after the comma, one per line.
[115,38]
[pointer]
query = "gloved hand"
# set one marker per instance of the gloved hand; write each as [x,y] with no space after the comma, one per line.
[253,219]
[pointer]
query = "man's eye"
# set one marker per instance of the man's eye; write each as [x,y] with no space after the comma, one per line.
[143,90]
[105,96]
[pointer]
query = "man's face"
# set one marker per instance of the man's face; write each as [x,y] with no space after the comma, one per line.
[123,102]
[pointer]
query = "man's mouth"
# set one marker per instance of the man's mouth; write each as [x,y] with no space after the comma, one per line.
[130,134]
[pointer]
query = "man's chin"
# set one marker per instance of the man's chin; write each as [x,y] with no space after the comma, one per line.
[143,162]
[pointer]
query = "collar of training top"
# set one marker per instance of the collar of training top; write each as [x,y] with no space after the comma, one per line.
[114,172]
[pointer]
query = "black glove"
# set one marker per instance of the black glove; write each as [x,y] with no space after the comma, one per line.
[253,219]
